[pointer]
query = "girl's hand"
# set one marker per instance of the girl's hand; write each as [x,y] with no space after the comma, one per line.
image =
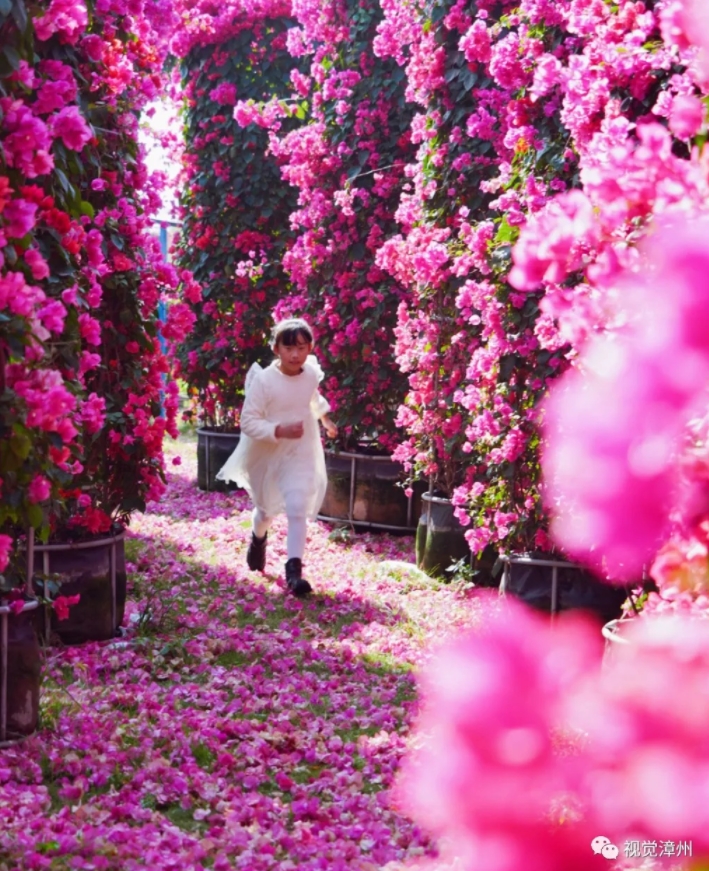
[330,427]
[289,430]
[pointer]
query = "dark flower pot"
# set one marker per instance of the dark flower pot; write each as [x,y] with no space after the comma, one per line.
[440,537]
[551,584]
[365,490]
[213,450]
[20,674]
[96,570]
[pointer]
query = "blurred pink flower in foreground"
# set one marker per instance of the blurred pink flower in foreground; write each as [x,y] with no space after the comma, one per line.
[615,423]
[645,716]
[489,774]
[527,750]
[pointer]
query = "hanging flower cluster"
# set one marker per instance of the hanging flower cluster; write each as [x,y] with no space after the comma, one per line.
[83,398]
[235,207]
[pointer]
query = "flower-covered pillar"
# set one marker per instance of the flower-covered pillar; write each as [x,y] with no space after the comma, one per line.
[235,206]
[513,94]
[81,374]
[348,165]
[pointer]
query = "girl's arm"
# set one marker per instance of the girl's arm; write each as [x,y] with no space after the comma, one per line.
[254,420]
[321,407]
[330,427]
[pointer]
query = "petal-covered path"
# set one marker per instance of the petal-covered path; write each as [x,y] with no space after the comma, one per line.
[234,726]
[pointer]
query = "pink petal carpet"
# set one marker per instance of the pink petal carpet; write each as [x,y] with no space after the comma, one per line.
[233,726]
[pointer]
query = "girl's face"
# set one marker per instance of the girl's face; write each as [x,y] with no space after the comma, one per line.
[292,357]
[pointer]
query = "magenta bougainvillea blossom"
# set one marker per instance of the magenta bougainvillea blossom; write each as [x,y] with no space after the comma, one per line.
[617,506]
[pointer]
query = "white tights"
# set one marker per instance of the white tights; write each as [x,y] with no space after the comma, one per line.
[297,528]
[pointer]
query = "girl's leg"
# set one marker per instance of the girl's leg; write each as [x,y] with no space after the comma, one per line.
[297,534]
[256,554]
[261,522]
[297,525]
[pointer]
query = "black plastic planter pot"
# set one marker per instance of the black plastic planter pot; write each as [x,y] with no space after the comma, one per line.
[213,450]
[365,491]
[20,674]
[440,538]
[94,569]
[555,585]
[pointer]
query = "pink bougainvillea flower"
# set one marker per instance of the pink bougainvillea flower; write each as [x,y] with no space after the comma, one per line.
[27,142]
[39,489]
[71,126]
[21,298]
[68,18]
[52,315]
[90,329]
[37,263]
[5,191]
[93,412]
[6,544]
[644,719]
[553,243]
[20,217]
[492,704]
[55,95]
[613,477]
[62,604]
[686,116]
[225,93]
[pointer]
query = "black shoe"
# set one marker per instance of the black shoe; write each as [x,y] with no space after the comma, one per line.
[296,583]
[256,554]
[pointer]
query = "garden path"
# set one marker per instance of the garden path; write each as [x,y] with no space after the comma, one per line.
[234,727]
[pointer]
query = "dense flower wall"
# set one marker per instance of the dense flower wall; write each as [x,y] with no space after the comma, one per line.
[83,400]
[622,262]
[648,369]
[521,106]
[235,207]
[347,163]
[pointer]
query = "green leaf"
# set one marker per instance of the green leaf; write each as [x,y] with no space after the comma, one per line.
[63,180]
[35,516]
[505,232]
[19,13]
[12,56]
[133,503]
[87,209]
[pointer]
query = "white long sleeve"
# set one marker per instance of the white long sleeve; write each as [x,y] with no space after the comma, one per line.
[255,422]
[319,405]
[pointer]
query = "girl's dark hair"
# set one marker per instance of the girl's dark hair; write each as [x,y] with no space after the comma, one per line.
[289,331]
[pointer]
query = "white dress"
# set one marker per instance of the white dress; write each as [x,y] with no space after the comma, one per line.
[269,468]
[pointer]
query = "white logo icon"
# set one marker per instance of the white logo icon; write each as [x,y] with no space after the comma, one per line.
[602,846]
